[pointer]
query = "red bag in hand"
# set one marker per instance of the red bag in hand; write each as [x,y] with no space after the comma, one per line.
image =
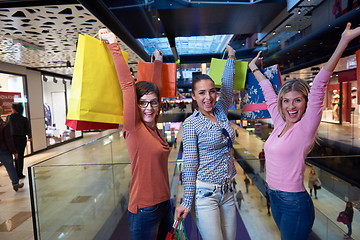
[342,218]
[146,70]
[171,234]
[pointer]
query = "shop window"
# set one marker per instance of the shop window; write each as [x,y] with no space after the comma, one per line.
[55,94]
[12,90]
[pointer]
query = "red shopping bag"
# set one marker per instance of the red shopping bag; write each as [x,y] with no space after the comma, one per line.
[171,234]
[146,70]
[85,125]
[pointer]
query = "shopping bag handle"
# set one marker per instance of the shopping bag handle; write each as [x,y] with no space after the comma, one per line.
[174,226]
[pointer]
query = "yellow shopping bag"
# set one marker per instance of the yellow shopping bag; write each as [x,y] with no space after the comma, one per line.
[217,69]
[95,94]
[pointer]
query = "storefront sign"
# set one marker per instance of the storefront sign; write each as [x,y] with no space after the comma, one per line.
[7,99]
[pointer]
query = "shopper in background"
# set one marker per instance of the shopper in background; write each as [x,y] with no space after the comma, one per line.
[349,212]
[7,149]
[312,182]
[262,160]
[296,113]
[208,157]
[247,182]
[20,127]
[149,210]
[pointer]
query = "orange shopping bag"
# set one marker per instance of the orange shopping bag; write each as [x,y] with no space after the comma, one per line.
[146,70]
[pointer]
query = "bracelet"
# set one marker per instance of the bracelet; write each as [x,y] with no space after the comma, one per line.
[232,57]
[256,69]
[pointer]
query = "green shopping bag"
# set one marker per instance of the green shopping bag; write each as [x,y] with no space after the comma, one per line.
[217,69]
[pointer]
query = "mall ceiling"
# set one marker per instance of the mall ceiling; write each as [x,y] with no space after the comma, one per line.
[43,34]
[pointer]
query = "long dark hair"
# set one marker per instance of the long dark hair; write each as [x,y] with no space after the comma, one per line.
[195,80]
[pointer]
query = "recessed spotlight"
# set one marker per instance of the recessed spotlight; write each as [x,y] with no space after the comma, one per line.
[274,33]
[158,19]
[299,11]
[287,26]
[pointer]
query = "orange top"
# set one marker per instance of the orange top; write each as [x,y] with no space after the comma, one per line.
[148,150]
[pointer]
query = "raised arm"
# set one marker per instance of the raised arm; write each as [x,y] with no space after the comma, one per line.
[157,74]
[255,70]
[131,115]
[346,37]
[227,81]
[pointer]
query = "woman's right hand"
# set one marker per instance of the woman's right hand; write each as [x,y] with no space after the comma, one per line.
[181,212]
[105,34]
[252,63]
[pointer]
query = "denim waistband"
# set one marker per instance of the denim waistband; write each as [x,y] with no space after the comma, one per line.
[224,188]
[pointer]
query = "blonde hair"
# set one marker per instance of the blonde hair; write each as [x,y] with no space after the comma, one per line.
[297,85]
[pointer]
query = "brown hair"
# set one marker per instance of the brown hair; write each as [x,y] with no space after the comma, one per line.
[195,80]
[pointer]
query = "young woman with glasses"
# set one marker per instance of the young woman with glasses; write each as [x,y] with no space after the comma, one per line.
[296,112]
[208,157]
[149,211]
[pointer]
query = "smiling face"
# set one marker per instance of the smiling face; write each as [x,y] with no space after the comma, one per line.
[149,108]
[204,93]
[293,106]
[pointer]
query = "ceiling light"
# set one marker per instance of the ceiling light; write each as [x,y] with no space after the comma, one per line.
[299,11]
[299,31]
[158,19]
[274,33]
[288,26]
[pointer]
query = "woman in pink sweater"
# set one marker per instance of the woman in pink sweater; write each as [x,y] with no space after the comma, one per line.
[296,113]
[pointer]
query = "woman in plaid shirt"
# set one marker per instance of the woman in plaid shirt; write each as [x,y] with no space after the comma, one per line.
[208,157]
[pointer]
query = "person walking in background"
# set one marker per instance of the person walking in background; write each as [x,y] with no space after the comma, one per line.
[262,160]
[247,182]
[296,112]
[149,210]
[209,166]
[239,198]
[312,182]
[20,127]
[349,212]
[7,149]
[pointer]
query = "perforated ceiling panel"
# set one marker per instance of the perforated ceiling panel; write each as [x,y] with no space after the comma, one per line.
[45,37]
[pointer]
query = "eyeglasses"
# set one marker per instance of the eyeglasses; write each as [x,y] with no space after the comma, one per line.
[144,104]
[226,134]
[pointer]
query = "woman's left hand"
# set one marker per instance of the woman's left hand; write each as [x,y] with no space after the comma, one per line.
[230,50]
[349,34]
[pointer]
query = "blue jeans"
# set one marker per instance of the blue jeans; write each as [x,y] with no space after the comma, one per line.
[7,160]
[215,211]
[349,229]
[152,222]
[293,213]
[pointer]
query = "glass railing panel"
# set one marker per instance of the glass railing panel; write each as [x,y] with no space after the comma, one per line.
[74,201]
[86,154]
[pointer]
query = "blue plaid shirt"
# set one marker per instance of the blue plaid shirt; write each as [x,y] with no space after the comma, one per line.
[207,156]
